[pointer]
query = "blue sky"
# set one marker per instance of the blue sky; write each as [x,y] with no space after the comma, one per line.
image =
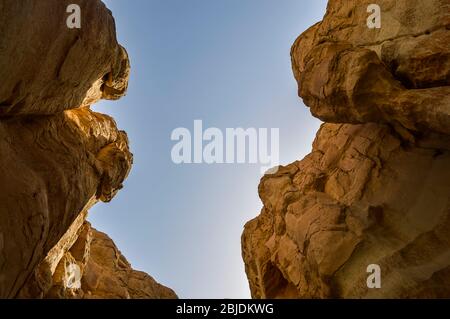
[227,63]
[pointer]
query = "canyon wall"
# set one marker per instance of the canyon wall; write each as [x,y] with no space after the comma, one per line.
[375,190]
[58,157]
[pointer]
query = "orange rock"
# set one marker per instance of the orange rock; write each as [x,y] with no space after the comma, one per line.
[375,188]
[58,157]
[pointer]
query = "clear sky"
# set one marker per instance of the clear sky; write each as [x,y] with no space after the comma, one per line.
[225,62]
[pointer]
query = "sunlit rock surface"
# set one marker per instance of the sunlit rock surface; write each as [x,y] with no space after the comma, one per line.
[58,158]
[376,187]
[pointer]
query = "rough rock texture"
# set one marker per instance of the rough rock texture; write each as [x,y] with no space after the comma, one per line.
[58,158]
[376,187]
[105,272]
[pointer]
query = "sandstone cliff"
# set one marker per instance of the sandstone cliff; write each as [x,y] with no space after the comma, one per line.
[376,187]
[58,158]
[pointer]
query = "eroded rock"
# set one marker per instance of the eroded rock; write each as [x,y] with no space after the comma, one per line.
[348,73]
[94,268]
[58,157]
[376,187]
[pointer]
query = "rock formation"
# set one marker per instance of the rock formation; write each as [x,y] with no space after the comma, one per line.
[375,189]
[104,272]
[58,158]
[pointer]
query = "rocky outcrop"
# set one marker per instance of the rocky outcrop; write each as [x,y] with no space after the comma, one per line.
[375,189]
[58,156]
[103,272]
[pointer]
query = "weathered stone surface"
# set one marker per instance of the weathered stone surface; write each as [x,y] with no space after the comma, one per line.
[58,158]
[109,275]
[363,196]
[376,187]
[54,168]
[56,68]
[103,272]
[348,73]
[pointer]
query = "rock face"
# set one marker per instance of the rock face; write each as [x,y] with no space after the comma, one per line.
[104,272]
[375,189]
[58,157]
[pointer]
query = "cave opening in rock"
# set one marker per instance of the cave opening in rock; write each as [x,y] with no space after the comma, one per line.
[276,286]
